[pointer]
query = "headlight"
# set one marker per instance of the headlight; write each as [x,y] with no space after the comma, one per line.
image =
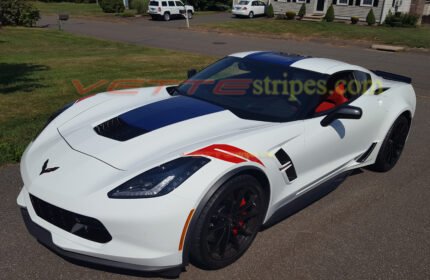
[159,180]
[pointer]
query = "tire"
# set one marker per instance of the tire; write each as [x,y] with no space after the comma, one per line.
[393,145]
[166,16]
[153,17]
[251,15]
[190,14]
[228,223]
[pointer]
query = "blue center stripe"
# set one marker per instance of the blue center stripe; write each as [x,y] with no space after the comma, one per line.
[169,111]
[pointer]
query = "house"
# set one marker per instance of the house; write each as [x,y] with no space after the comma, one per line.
[345,9]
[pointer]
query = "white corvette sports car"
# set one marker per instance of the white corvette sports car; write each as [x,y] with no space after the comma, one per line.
[151,180]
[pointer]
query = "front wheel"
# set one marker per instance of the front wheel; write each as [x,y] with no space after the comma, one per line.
[228,223]
[166,16]
[190,14]
[393,145]
[251,15]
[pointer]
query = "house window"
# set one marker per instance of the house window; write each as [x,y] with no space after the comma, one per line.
[368,3]
[342,2]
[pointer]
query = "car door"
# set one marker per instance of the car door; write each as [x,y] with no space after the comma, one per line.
[172,8]
[255,7]
[331,148]
[180,7]
[261,8]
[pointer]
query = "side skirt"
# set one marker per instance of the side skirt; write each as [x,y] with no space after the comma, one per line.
[305,199]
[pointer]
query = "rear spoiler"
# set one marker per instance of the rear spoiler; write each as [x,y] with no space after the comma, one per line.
[393,77]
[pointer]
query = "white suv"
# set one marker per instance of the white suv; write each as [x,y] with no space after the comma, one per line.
[249,8]
[167,9]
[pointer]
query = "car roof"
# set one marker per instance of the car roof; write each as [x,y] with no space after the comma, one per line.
[316,64]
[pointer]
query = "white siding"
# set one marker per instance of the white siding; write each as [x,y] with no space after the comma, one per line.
[348,11]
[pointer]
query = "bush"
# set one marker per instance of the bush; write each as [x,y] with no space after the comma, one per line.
[354,20]
[112,6]
[141,6]
[269,11]
[370,19]
[18,12]
[400,20]
[302,11]
[329,15]
[290,15]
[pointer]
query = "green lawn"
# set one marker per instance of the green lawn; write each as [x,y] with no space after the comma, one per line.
[411,37]
[37,67]
[74,9]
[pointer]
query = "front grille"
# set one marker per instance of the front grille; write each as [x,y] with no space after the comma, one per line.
[82,226]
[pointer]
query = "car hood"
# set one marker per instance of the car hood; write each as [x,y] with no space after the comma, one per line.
[125,130]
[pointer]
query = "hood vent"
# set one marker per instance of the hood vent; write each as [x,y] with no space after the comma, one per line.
[287,165]
[118,130]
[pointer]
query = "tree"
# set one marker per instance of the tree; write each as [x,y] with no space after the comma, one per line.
[302,11]
[370,19]
[18,12]
[329,16]
[269,11]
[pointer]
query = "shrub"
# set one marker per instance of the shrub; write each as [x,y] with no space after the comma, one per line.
[400,20]
[302,11]
[290,15]
[329,15]
[354,20]
[370,19]
[141,6]
[18,12]
[269,11]
[112,6]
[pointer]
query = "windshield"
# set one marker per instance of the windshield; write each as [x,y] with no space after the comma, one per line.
[256,89]
[243,2]
[153,3]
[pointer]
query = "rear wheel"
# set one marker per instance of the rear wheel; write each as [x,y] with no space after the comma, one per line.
[166,16]
[392,146]
[228,223]
[190,14]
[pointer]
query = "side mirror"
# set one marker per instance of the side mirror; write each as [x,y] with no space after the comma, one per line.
[191,73]
[344,112]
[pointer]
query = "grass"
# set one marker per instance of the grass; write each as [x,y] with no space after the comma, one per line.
[411,37]
[76,9]
[37,67]
[73,9]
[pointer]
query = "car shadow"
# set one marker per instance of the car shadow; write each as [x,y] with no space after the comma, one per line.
[17,77]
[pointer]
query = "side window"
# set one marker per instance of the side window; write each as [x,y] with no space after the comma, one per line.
[364,81]
[179,4]
[254,3]
[171,3]
[164,4]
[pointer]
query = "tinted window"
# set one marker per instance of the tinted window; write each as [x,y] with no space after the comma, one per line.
[179,4]
[153,3]
[171,3]
[164,4]
[265,94]
[243,3]
[364,81]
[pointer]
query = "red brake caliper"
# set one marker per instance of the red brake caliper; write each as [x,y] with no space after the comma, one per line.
[241,223]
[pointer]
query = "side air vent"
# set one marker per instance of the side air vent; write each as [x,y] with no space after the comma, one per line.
[119,130]
[287,165]
[367,153]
